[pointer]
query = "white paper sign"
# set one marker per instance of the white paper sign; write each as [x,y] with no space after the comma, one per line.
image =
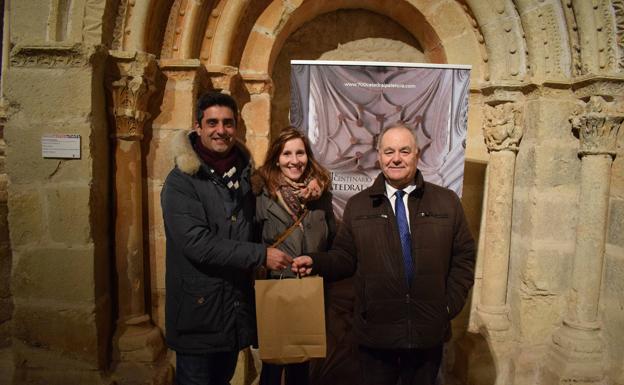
[60,146]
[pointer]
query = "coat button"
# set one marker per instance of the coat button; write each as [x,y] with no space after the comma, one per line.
[200,300]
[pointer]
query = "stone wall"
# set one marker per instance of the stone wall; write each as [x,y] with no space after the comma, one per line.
[59,217]
[543,231]
[545,195]
[6,302]
[612,300]
[59,212]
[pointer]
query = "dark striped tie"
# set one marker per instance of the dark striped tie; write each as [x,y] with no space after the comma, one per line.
[405,236]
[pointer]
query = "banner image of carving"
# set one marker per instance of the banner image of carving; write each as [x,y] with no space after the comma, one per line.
[343,106]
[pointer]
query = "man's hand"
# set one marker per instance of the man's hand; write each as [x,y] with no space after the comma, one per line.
[302,265]
[276,259]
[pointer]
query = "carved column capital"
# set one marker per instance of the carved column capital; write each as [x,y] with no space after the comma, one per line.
[258,84]
[133,84]
[222,76]
[597,123]
[502,128]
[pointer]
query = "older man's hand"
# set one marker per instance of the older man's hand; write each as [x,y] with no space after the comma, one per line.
[302,265]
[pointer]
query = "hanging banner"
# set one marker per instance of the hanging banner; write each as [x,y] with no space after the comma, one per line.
[343,107]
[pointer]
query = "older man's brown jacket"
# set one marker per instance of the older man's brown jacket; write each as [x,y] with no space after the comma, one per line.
[389,313]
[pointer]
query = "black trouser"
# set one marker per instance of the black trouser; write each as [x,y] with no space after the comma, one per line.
[205,369]
[410,366]
[296,374]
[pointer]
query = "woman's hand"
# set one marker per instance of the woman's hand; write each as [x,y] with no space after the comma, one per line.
[311,192]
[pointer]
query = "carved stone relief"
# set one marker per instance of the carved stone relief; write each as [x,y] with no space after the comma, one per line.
[595,23]
[597,123]
[131,95]
[513,38]
[552,51]
[513,57]
[222,77]
[545,39]
[503,128]
[49,56]
[172,32]
[258,86]
[211,27]
[123,14]
[609,46]
[573,36]
[606,86]
[618,8]
[477,31]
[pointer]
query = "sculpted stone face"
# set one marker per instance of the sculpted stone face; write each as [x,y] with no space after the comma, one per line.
[217,129]
[398,157]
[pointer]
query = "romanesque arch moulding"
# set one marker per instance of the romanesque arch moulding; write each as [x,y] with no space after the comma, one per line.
[280,19]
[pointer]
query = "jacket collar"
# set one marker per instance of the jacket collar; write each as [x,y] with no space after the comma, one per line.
[187,159]
[379,185]
[277,209]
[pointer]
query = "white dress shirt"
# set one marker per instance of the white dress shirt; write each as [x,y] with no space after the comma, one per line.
[390,194]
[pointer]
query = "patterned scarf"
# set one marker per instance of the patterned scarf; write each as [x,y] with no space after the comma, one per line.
[225,167]
[287,195]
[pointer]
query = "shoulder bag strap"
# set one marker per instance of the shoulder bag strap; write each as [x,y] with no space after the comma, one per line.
[282,237]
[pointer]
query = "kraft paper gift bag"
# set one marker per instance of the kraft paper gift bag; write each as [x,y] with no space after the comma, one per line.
[291,319]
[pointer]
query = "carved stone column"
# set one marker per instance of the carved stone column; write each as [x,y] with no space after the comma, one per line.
[577,349]
[502,131]
[136,338]
[257,115]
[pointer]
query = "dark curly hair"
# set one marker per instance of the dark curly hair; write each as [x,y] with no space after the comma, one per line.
[214,98]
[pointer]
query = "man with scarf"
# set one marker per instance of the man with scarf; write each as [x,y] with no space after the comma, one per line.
[208,211]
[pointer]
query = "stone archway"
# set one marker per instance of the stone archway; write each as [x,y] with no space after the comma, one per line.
[339,34]
[496,39]
[187,74]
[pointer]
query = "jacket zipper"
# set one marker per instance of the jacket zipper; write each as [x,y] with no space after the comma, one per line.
[385,216]
[428,214]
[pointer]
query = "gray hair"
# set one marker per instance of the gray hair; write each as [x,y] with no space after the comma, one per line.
[397,125]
